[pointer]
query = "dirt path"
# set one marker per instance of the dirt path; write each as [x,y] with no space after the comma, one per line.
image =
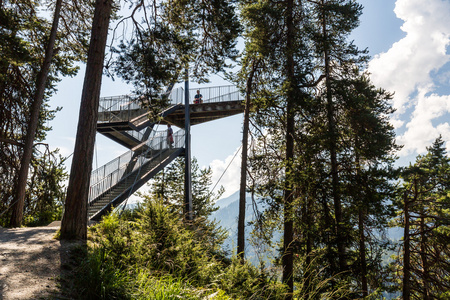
[30,262]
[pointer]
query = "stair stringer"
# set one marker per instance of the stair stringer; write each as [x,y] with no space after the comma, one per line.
[136,184]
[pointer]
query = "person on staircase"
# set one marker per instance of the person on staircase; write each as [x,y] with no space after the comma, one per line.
[198,98]
[169,136]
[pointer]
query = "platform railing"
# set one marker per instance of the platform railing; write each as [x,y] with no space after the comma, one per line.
[119,108]
[139,135]
[107,176]
[126,107]
[217,94]
[209,94]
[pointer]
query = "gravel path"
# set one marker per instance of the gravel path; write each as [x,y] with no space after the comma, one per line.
[30,262]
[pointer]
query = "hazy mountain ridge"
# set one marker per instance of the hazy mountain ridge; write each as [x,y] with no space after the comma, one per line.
[227,216]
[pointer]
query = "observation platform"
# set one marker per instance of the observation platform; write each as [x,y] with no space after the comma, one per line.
[127,120]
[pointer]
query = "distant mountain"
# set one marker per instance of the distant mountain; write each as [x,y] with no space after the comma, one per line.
[227,216]
[227,201]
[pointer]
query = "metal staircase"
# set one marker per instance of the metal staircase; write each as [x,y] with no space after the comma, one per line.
[125,120]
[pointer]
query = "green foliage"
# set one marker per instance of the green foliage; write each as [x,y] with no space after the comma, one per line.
[314,282]
[45,190]
[169,185]
[45,196]
[156,256]
[172,35]
[248,282]
[424,201]
[305,71]
[162,288]
[99,277]
[23,37]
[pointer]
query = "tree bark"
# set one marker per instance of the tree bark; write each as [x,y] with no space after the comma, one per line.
[288,236]
[406,252]
[74,223]
[423,256]
[17,210]
[308,220]
[243,183]
[362,252]
[332,148]
[361,222]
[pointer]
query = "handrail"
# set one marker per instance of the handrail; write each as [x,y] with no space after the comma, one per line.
[217,94]
[105,177]
[126,107]
[209,94]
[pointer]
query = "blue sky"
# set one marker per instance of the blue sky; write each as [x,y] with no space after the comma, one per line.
[408,41]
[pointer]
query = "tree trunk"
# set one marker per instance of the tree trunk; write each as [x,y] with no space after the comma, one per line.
[17,210]
[307,220]
[288,237]
[74,223]
[423,256]
[406,252]
[332,148]
[361,221]
[362,252]
[243,183]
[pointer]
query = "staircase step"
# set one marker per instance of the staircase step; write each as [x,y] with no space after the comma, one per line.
[129,181]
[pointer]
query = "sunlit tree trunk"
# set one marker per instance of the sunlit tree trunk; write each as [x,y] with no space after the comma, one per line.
[74,223]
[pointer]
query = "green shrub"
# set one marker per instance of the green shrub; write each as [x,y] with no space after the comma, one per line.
[164,288]
[97,277]
[244,281]
[155,255]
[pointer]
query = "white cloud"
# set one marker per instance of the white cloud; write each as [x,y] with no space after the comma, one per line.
[406,69]
[231,178]
[420,131]
[64,144]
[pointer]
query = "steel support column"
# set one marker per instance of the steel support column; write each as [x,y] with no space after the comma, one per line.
[187,158]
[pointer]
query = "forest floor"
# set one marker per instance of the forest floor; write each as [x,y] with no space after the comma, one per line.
[32,262]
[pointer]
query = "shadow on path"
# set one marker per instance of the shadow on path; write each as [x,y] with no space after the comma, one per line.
[32,263]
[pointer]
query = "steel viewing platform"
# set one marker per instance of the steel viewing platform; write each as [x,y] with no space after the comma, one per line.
[127,121]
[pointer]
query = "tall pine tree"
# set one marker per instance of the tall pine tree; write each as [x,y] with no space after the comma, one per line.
[424,206]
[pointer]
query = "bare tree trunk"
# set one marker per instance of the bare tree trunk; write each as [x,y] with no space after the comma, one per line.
[406,252]
[333,157]
[307,220]
[361,223]
[288,237]
[243,183]
[17,210]
[423,256]
[74,223]
[362,252]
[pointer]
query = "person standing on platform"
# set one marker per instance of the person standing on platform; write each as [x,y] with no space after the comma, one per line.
[169,136]
[198,98]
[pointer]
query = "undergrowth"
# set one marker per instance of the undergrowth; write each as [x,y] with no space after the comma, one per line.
[153,254]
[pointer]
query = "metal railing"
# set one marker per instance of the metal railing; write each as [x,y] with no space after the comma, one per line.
[211,94]
[107,176]
[127,107]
